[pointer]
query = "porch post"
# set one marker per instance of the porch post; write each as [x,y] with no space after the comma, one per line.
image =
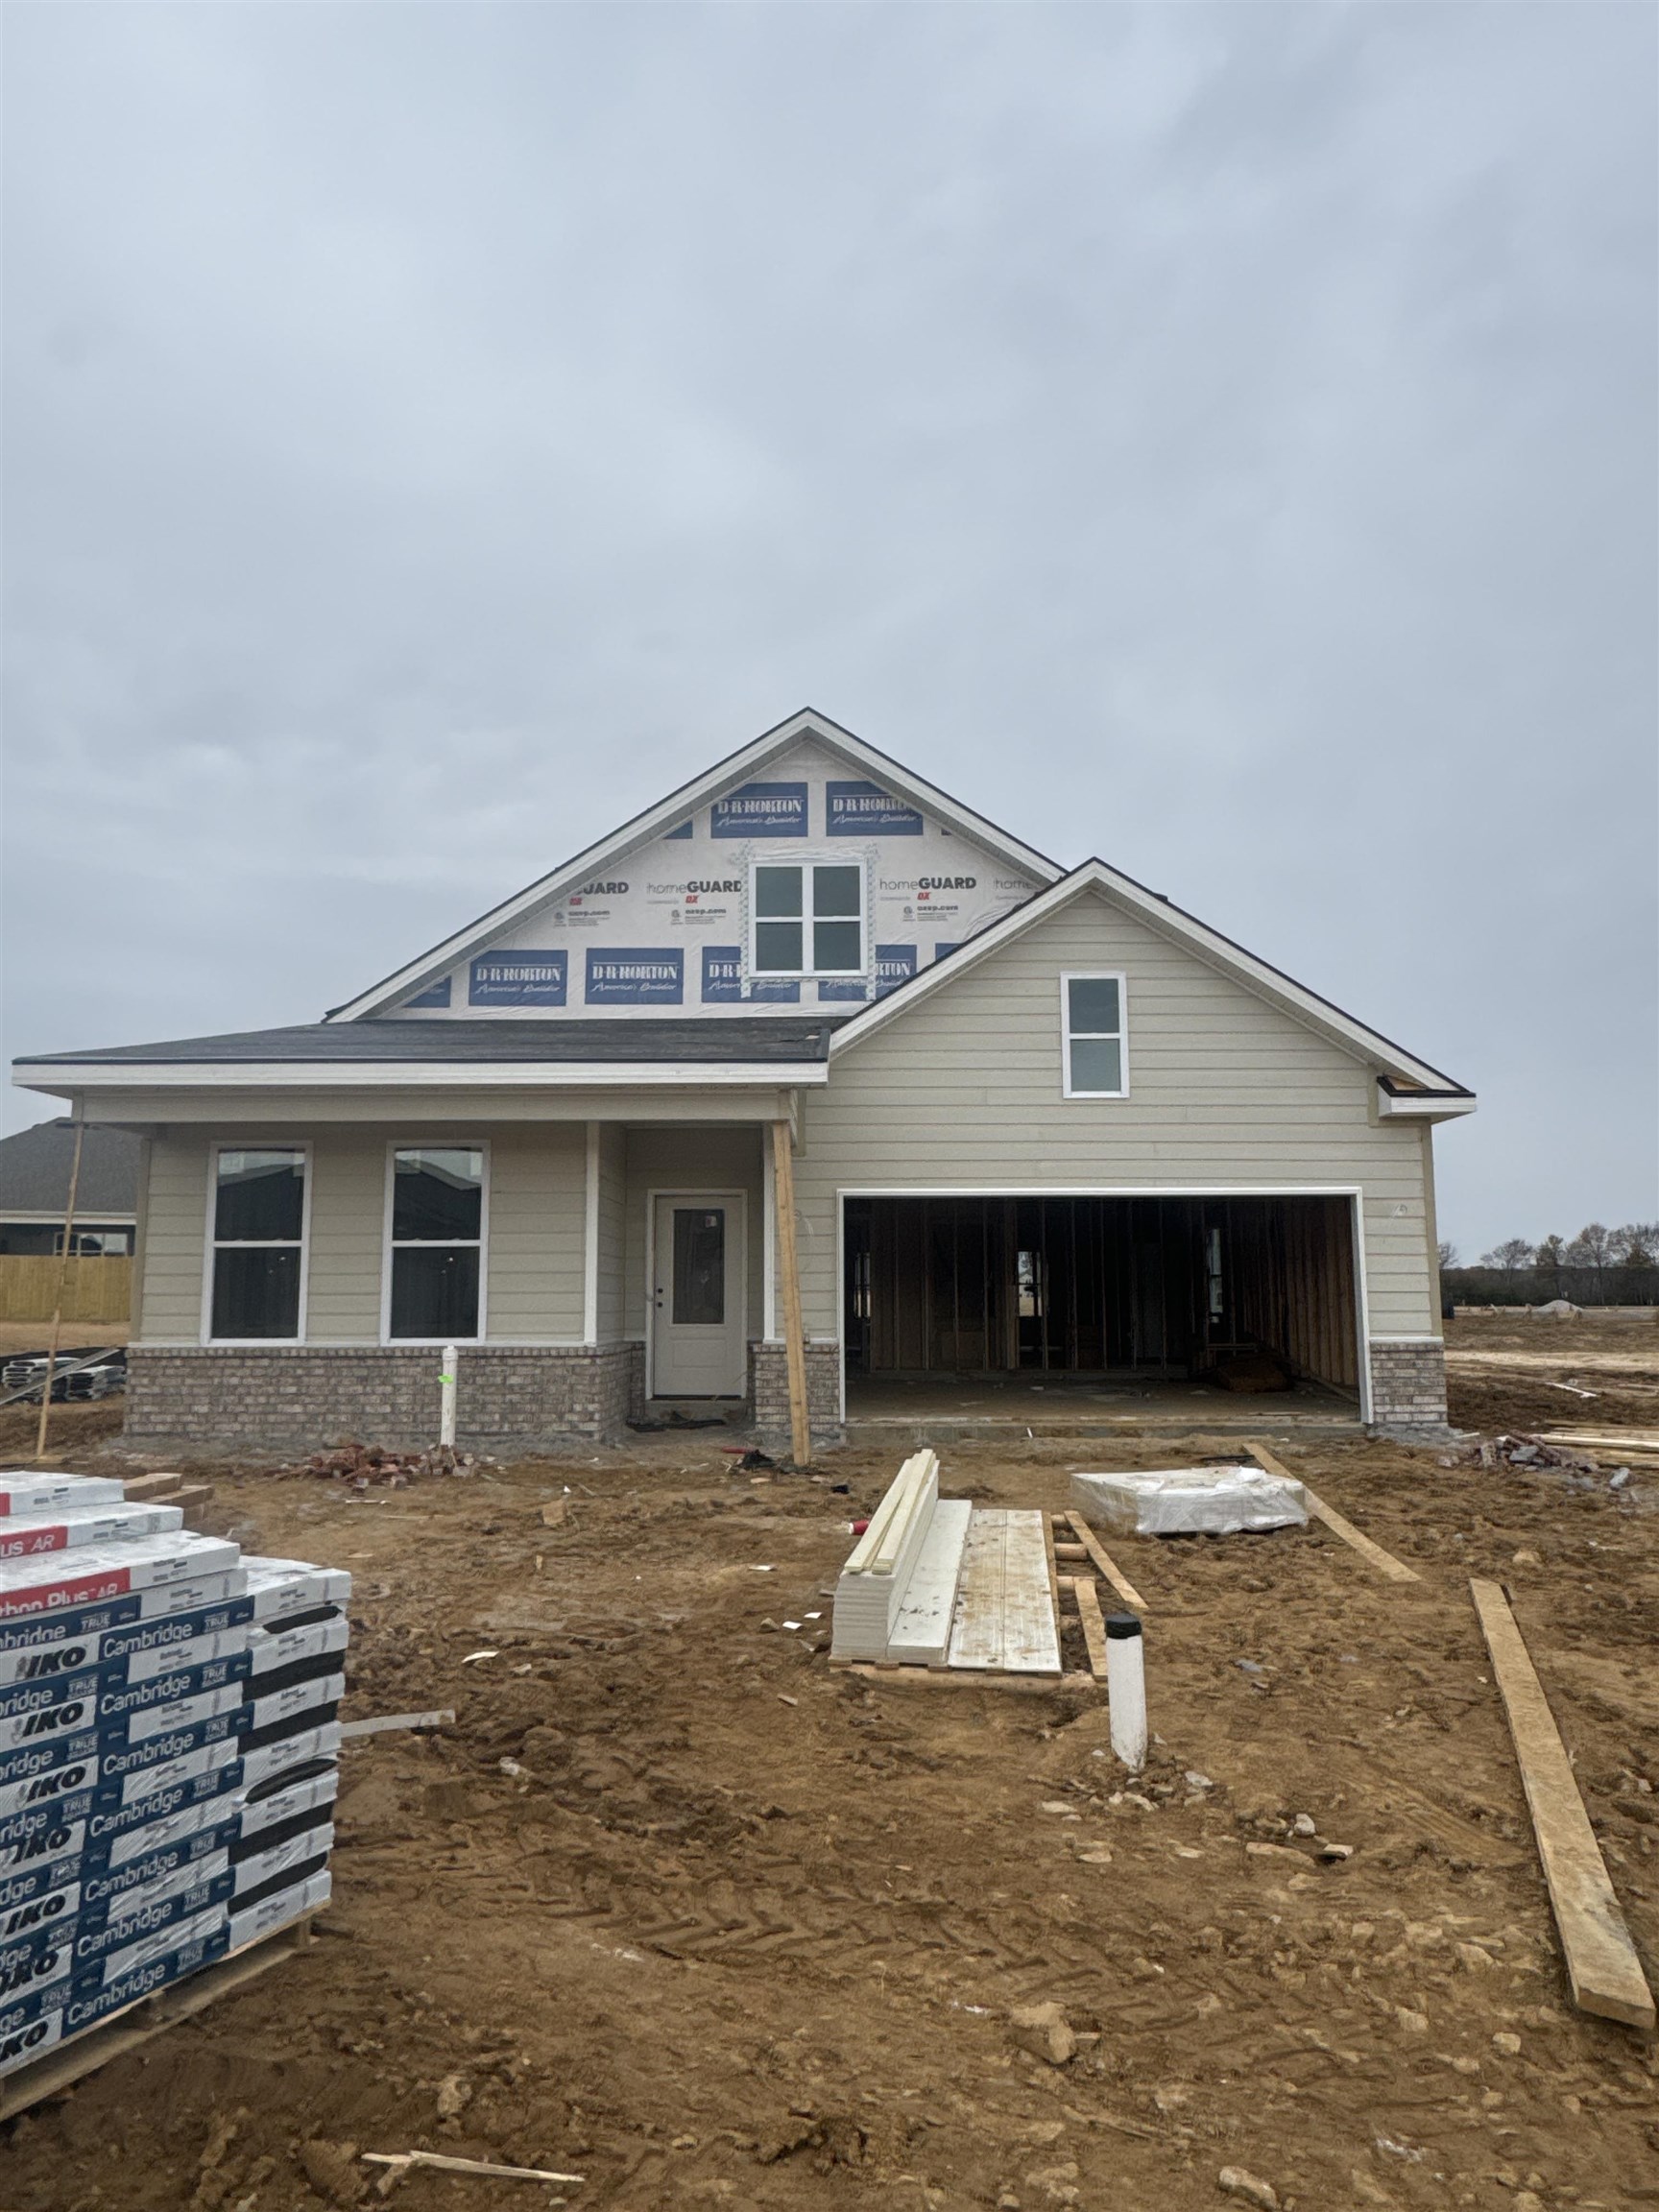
[794,1342]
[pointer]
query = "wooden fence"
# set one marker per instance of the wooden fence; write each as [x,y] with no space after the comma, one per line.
[96,1288]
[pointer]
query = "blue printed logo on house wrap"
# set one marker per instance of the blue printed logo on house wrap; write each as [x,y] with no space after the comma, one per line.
[894,964]
[519,979]
[761,810]
[636,978]
[722,974]
[435,994]
[866,811]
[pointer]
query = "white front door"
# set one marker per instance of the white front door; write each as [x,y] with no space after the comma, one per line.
[698,1296]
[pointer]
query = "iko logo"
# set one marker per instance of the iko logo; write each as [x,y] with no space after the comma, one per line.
[56,1720]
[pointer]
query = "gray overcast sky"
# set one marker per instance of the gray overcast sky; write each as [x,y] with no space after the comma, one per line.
[1224,439]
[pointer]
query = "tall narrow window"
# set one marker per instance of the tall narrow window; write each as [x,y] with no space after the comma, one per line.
[808,919]
[1096,1059]
[437,1239]
[259,1243]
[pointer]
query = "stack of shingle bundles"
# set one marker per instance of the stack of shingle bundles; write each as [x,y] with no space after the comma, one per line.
[161,1802]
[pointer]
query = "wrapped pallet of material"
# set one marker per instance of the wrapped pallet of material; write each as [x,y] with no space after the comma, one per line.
[1190,1502]
[168,1735]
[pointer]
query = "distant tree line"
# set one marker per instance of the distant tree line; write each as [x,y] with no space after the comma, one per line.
[1600,1266]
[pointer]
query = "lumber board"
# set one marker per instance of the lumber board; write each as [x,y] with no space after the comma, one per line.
[1005,1618]
[1047,1528]
[146,2017]
[1104,1561]
[790,1282]
[1384,1562]
[964,1678]
[388,1723]
[1088,1603]
[1603,1967]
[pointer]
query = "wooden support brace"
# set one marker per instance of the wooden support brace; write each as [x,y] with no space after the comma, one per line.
[790,1274]
[1603,1967]
[1384,1562]
[1103,1560]
[1087,1600]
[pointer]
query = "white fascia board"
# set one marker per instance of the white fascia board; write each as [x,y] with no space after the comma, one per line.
[65,1078]
[50,1216]
[667,814]
[1185,930]
[1423,1105]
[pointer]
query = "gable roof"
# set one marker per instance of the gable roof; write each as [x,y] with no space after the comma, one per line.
[667,814]
[35,1165]
[1182,928]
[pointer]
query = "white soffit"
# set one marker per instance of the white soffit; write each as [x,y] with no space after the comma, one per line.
[667,814]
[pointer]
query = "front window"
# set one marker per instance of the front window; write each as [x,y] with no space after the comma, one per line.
[258,1244]
[808,919]
[437,1242]
[1096,1059]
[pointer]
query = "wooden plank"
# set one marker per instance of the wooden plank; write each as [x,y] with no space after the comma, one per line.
[964,1678]
[1603,1967]
[863,1553]
[789,1275]
[129,2030]
[1103,1560]
[977,1634]
[1074,1553]
[1030,1623]
[1047,1528]
[1088,1605]
[1384,1562]
[390,1723]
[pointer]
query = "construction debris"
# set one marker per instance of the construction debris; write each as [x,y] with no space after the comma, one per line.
[399,2162]
[167,1738]
[373,1466]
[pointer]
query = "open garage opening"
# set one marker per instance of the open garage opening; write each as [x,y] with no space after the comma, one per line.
[956,1302]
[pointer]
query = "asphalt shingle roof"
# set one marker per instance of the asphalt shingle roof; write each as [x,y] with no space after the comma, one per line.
[763,1039]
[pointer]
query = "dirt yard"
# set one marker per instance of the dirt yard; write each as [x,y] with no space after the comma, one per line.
[675,1906]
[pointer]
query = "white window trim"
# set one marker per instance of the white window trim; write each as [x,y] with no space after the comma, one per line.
[435,1143]
[1072,976]
[806,862]
[211,1240]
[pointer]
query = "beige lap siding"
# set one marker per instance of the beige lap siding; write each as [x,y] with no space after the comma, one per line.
[536,1231]
[612,1216]
[1226,1091]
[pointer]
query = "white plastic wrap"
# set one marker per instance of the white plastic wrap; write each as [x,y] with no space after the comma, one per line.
[1190,1502]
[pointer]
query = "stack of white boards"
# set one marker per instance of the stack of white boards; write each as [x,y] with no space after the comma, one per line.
[1190,1502]
[168,1732]
[933,1583]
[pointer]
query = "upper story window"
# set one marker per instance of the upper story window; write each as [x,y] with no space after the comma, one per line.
[1092,1013]
[258,1244]
[808,919]
[437,1242]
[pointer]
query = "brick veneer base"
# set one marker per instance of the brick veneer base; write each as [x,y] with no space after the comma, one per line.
[289,1399]
[1409,1388]
[769,1395]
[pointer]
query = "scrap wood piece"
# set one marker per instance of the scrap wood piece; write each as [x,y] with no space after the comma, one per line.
[401,2161]
[1384,1562]
[445,1718]
[1603,1967]
[965,1678]
[1088,1603]
[1103,1560]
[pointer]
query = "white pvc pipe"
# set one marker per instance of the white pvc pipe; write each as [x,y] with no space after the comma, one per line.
[447,1399]
[1126,1688]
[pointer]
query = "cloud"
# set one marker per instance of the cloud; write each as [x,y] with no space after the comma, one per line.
[1221,439]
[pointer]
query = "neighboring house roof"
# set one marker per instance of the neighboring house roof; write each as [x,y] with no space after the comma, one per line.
[725,776]
[750,1047]
[1172,921]
[34,1167]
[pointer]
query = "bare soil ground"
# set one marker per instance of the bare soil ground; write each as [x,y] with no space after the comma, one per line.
[1505,1371]
[733,1928]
